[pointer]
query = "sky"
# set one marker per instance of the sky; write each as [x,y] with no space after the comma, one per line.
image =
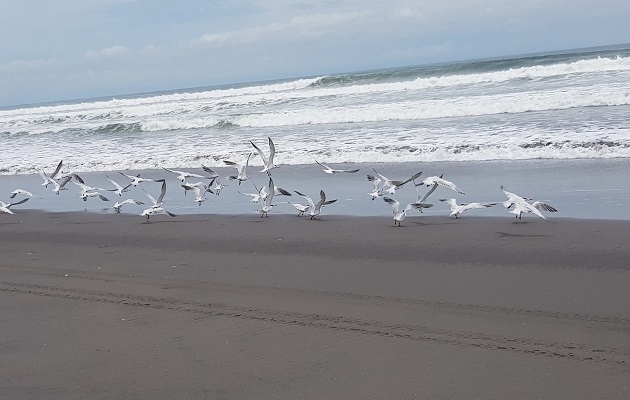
[54,50]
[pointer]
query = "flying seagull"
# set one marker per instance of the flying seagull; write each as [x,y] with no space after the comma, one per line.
[267,161]
[331,171]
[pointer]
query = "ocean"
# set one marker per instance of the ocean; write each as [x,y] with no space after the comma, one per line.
[570,105]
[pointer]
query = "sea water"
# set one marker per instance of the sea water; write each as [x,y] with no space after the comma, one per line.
[570,105]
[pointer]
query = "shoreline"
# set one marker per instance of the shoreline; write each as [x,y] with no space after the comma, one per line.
[584,189]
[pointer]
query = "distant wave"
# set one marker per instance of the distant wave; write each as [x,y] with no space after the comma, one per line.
[336,152]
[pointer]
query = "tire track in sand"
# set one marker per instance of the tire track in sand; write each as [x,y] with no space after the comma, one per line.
[543,348]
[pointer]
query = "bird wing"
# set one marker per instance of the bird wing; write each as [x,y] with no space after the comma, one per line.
[260,153]
[310,201]
[428,193]
[394,203]
[540,206]
[162,192]
[272,152]
[17,202]
[56,170]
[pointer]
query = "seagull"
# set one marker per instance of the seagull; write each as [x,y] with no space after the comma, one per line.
[155,211]
[48,179]
[157,203]
[400,215]
[182,175]
[390,186]
[136,180]
[60,186]
[437,180]
[213,175]
[4,207]
[197,187]
[300,207]
[119,190]
[241,175]
[376,190]
[90,191]
[521,205]
[458,209]
[218,185]
[267,162]
[119,204]
[331,171]
[521,208]
[266,202]
[21,191]
[315,208]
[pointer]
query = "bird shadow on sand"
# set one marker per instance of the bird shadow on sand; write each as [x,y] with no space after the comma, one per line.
[506,234]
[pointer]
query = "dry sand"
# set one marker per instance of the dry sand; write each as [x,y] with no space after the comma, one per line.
[239,307]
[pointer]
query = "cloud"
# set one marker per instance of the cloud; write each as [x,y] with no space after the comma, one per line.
[109,52]
[25,65]
[304,26]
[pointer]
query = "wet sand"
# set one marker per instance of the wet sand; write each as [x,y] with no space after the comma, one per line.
[105,306]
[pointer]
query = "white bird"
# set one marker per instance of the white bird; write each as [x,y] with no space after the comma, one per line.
[241,169]
[210,171]
[119,190]
[300,207]
[5,207]
[197,188]
[218,185]
[399,215]
[458,209]
[331,171]
[376,189]
[267,162]
[90,191]
[157,203]
[521,205]
[182,175]
[61,185]
[136,180]
[156,211]
[48,179]
[119,204]
[390,186]
[266,202]
[255,197]
[314,209]
[437,180]
[21,192]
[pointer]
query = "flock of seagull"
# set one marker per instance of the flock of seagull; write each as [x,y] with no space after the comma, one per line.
[382,187]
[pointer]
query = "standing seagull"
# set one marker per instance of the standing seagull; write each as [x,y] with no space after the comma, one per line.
[241,175]
[331,171]
[267,162]
[266,202]
[315,208]
[4,207]
[400,215]
[458,209]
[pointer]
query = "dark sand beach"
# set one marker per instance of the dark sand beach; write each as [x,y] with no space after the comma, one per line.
[101,306]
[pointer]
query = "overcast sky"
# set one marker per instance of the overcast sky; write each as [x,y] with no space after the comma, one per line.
[69,49]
